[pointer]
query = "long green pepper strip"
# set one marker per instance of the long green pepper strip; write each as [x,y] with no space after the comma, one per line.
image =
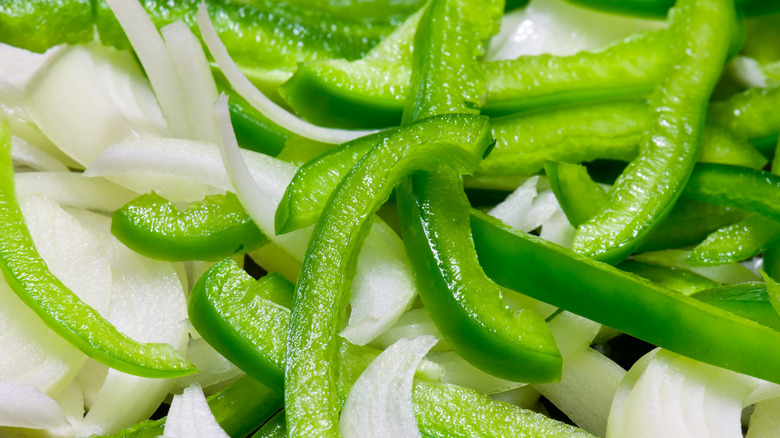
[329,263]
[648,188]
[32,281]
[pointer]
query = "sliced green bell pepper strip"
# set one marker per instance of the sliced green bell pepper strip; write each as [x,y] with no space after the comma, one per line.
[580,198]
[468,308]
[751,114]
[736,242]
[40,24]
[239,409]
[229,308]
[439,408]
[660,8]
[59,308]
[670,277]
[748,300]
[329,263]
[625,302]
[212,229]
[648,188]
[750,190]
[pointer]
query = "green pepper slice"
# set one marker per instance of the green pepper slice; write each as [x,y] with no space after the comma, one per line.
[660,8]
[597,291]
[228,308]
[329,263]
[580,198]
[652,182]
[748,300]
[32,281]
[212,229]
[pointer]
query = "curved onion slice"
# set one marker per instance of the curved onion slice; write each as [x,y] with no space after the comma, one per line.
[115,101]
[147,303]
[190,416]
[74,190]
[34,157]
[666,394]
[383,287]
[26,406]
[257,99]
[380,402]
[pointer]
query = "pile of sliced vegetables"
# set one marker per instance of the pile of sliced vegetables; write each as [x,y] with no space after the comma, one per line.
[443,218]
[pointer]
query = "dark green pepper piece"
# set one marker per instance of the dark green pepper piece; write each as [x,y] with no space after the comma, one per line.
[625,302]
[228,308]
[748,300]
[681,280]
[660,8]
[212,229]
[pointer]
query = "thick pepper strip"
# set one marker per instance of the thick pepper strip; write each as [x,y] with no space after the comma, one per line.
[659,8]
[670,277]
[736,242]
[239,409]
[439,408]
[748,300]
[751,114]
[32,281]
[464,304]
[328,266]
[750,190]
[650,185]
[228,307]
[467,307]
[212,229]
[597,291]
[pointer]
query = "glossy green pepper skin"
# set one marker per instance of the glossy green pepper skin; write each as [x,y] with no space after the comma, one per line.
[329,263]
[748,300]
[663,317]
[229,308]
[660,8]
[648,188]
[59,308]
[212,229]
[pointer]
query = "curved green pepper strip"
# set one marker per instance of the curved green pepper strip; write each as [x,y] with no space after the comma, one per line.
[293,33]
[660,8]
[212,229]
[736,242]
[229,308]
[466,306]
[751,114]
[439,408]
[580,198]
[750,190]
[625,302]
[239,409]
[59,308]
[646,191]
[610,130]
[748,300]
[329,262]
[670,277]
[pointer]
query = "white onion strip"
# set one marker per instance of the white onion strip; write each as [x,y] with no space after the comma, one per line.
[195,77]
[257,99]
[379,405]
[34,157]
[190,416]
[26,406]
[154,56]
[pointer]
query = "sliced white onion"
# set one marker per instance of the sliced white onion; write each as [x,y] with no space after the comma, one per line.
[26,406]
[411,324]
[560,28]
[212,367]
[666,394]
[195,77]
[153,54]
[73,189]
[747,71]
[19,64]
[380,402]
[557,229]
[115,101]
[383,287]
[588,380]
[765,420]
[148,304]
[257,99]
[514,208]
[33,353]
[34,157]
[458,371]
[190,417]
